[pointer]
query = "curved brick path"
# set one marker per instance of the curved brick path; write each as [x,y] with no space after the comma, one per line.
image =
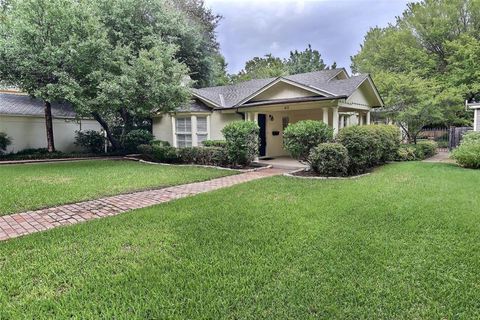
[19,224]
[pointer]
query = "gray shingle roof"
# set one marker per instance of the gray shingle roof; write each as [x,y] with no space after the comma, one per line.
[24,105]
[325,80]
[229,96]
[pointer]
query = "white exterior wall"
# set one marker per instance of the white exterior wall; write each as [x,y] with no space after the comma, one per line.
[283,91]
[163,126]
[477,120]
[219,121]
[29,132]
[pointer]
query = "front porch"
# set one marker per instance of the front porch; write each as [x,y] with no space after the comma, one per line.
[273,119]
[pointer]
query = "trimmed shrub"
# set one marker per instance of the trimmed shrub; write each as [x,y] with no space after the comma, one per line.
[135,138]
[215,143]
[5,141]
[301,137]
[468,153]
[163,154]
[329,159]
[91,141]
[389,141]
[369,145]
[241,142]
[160,143]
[210,156]
[406,153]
[362,148]
[145,149]
[471,136]
[425,149]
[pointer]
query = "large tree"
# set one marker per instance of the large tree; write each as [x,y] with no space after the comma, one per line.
[36,39]
[261,67]
[137,72]
[269,66]
[304,61]
[423,64]
[201,50]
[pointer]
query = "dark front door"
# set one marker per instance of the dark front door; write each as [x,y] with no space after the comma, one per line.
[262,123]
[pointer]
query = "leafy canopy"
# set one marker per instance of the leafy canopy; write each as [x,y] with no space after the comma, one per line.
[424,64]
[269,66]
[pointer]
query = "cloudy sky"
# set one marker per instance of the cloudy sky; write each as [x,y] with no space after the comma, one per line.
[334,27]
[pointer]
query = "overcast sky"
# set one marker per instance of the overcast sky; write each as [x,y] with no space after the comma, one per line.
[334,27]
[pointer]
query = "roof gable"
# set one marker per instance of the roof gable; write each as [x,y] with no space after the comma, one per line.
[366,93]
[283,90]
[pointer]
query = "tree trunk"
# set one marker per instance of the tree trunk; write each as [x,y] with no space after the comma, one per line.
[49,127]
[127,122]
[115,144]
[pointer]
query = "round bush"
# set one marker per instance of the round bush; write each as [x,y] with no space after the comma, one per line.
[369,145]
[471,136]
[425,149]
[406,153]
[389,141]
[329,159]
[137,137]
[468,154]
[241,142]
[301,137]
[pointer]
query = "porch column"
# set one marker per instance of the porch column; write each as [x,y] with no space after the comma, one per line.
[360,119]
[335,120]
[342,121]
[368,117]
[325,116]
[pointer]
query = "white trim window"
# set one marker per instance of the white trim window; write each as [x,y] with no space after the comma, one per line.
[183,131]
[202,129]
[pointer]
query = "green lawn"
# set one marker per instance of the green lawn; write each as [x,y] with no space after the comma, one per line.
[33,186]
[402,243]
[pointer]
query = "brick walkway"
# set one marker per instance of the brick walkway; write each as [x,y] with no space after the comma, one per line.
[24,223]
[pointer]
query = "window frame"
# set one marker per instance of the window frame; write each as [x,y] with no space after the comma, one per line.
[194,132]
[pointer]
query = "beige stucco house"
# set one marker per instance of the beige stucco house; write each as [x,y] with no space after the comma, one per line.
[331,96]
[22,119]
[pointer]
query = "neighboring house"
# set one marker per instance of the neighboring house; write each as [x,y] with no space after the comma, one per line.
[22,119]
[475,106]
[331,96]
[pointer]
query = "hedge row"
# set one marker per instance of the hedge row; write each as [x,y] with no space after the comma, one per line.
[369,146]
[420,151]
[239,148]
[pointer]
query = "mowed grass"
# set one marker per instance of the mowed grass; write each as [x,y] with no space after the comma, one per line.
[33,186]
[402,243]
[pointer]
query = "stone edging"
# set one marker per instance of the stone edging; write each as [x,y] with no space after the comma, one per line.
[291,175]
[198,165]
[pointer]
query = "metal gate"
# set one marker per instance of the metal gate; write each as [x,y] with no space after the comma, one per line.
[456,135]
